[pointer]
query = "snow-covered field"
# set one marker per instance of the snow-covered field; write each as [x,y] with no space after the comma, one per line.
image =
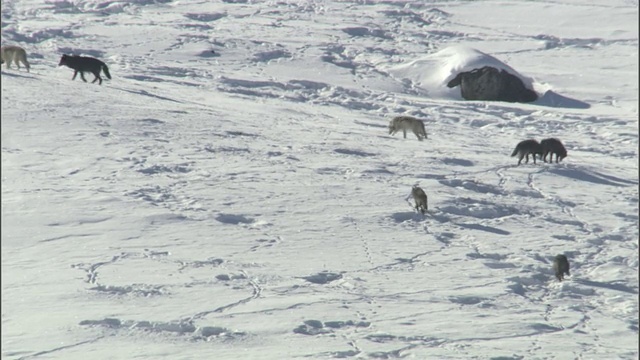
[233,193]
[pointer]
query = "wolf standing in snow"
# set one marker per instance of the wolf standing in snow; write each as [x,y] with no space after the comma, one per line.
[16,54]
[553,146]
[82,64]
[526,148]
[561,266]
[420,198]
[405,123]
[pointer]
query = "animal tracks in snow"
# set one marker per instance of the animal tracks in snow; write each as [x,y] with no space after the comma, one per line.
[235,183]
[182,329]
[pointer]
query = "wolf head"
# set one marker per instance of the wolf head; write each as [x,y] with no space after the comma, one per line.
[417,191]
[63,60]
[563,153]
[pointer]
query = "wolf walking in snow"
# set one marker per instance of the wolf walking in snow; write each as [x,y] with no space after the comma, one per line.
[561,266]
[16,54]
[82,64]
[405,123]
[553,146]
[526,148]
[420,198]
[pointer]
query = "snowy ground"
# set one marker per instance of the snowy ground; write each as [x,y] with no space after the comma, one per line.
[233,193]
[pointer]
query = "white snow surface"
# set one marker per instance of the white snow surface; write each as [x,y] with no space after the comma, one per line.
[233,192]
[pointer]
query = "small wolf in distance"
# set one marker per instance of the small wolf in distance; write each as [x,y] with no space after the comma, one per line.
[420,197]
[553,146]
[405,123]
[82,64]
[16,54]
[526,148]
[561,266]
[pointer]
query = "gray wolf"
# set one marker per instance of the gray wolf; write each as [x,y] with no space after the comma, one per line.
[561,266]
[16,54]
[553,146]
[82,64]
[526,148]
[420,198]
[405,123]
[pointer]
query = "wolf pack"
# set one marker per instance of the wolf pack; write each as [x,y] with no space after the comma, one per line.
[547,147]
[79,64]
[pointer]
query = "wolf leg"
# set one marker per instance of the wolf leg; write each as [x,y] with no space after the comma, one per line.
[82,76]
[404,131]
[98,78]
[26,64]
[75,73]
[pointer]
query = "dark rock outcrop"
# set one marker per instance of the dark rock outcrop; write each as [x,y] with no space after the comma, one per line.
[489,83]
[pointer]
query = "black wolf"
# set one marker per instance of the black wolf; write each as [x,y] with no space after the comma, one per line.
[526,147]
[420,198]
[561,266]
[553,146]
[82,64]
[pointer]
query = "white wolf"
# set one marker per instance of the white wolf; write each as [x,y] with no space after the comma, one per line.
[16,54]
[420,198]
[405,123]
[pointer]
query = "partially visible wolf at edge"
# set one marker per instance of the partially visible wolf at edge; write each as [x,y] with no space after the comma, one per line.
[15,54]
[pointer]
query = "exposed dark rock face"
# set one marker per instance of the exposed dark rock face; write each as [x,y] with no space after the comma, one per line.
[489,83]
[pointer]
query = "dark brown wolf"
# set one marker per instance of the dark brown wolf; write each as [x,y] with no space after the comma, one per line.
[527,147]
[82,64]
[553,146]
[561,266]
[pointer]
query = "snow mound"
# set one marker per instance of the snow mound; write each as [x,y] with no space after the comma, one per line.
[430,74]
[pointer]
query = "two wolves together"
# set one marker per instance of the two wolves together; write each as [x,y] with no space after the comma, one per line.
[560,262]
[405,123]
[80,64]
[546,147]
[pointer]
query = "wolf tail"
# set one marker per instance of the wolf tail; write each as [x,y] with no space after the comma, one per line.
[515,152]
[106,71]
